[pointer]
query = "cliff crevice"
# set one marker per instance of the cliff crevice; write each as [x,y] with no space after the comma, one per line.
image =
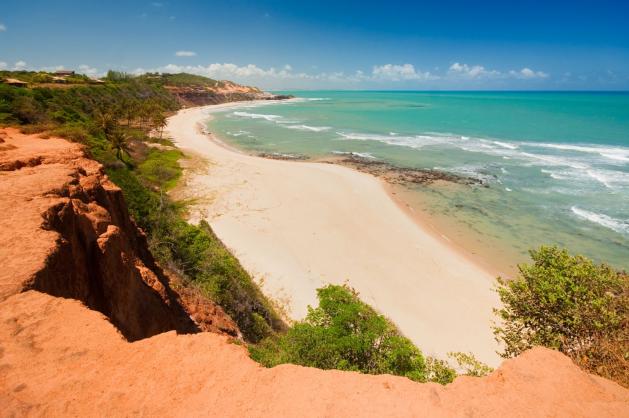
[86,246]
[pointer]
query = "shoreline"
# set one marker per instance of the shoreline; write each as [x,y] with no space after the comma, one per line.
[440,228]
[294,239]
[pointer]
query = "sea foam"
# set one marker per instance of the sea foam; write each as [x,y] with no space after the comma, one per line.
[617,225]
[270,118]
[308,128]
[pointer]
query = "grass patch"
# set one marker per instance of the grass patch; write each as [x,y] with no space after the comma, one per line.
[161,168]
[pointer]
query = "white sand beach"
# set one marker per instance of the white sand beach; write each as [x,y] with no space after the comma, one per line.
[296,226]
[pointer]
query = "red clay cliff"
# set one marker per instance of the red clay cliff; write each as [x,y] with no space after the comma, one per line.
[89,326]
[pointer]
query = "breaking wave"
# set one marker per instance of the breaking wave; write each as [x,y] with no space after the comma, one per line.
[617,225]
[270,118]
[356,154]
[308,128]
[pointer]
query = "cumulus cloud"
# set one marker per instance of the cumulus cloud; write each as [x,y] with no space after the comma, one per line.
[231,71]
[457,74]
[3,65]
[394,72]
[474,71]
[3,27]
[527,73]
[186,54]
[19,65]
[87,70]
[252,73]
[463,71]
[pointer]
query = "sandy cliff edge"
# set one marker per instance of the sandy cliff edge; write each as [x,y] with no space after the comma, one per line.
[60,358]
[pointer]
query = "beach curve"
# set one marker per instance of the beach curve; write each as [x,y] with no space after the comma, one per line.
[296,226]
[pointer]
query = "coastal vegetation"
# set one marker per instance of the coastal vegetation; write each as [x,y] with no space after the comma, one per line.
[120,123]
[344,333]
[570,304]
[560,301]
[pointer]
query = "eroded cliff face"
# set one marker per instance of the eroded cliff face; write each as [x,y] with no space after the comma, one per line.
[76,278]
[229,92]
[68,234]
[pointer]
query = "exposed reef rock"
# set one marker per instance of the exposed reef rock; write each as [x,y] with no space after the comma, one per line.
[403,175]
[76,273]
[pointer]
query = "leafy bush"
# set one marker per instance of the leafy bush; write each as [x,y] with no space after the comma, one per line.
[346,334]
[570,304]
[469,365]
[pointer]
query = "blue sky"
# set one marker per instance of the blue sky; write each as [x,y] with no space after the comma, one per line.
[331,44]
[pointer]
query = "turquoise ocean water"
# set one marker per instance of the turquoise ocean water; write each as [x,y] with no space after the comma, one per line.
[557,164]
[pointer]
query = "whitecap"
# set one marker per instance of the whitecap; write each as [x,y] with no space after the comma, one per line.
[239,133]
[611,153]
[505,145]
[617,225]
[599,177]
[270,118]
[308,128]
[355,153]
[609,178]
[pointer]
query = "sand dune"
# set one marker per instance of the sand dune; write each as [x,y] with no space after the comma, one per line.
[298,225]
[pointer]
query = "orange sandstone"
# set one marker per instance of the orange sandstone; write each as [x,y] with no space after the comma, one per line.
[58,357]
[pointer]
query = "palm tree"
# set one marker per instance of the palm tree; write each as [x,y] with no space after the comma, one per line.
[159,122]
[106,119]
[119,140]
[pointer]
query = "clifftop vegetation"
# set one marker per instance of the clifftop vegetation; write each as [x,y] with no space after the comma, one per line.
[120,122]
[570,304]
[560,301]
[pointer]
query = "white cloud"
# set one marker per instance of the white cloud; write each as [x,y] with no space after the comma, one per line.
[48,69]
[186,54]
[251,73]
[475,71]
[3,27]
[231,71]
[458,74]
[527,73]
[19,65]
[394,72]
[3,65]
[87,70]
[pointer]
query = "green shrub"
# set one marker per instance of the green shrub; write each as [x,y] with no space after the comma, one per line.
[469,365]
[27,110]
[345,333]
[161,168]
[572,305]
[73,132]
[198,254]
